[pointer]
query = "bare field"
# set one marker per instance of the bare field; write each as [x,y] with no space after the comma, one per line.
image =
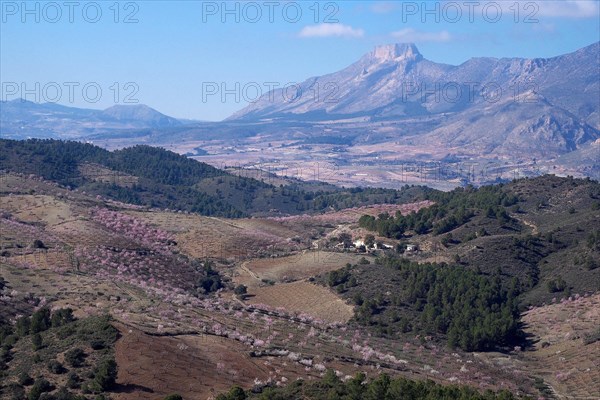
[37,208]
[54,259]
[87,233]
[284,161]
[303,297]
[203,237]
[571,367]
[195,366]
[300,266]
[83,293]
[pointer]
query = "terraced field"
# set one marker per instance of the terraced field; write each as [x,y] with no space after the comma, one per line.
[566,363]
[203,237]
[302,265]
[303,297]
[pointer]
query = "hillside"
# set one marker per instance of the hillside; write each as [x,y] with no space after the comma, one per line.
[536,230]
[22,119]
[238,300]
[153,177]
[481,255]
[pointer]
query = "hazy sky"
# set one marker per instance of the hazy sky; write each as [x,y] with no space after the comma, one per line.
[172,55]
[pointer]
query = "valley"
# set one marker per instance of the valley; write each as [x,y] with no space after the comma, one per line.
[170,281]
[396,118]
[359,200]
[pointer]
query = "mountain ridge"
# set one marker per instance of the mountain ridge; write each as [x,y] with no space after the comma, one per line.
[396,72]
[20,118]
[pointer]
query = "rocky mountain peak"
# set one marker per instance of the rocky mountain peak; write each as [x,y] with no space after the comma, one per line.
[396,52]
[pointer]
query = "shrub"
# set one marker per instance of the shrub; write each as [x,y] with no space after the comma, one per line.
[211,281]
[97,344]
[64,394]
[24,379]
[75,357]
[73,380]
[62,317]
[235,393]
[14,391]
[592,337]
[7,335]
[37,342]
[557,285]
[40,386]
[5,354]
[447,239]
[173,397]
[55,367]
[241,291]
[22,326]
[38,244]
[105,375]
[40,320]
[345,239]
[591,264]
[10,340]
[65,331]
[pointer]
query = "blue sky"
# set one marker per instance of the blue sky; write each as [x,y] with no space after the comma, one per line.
[167,54]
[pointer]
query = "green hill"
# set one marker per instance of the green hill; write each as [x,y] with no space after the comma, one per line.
[500,249]
[155,177]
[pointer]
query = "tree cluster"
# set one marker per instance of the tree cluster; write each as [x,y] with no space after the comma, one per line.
[451,210]
[330,386]
[472,311]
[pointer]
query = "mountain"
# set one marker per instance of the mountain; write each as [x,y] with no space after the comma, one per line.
[396,80]
[21,119]
[390,110]
[141,114]
[532,129]
[363,88]
[508,109]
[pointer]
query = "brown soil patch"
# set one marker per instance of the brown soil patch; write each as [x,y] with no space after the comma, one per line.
[303,297]
[195,366]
